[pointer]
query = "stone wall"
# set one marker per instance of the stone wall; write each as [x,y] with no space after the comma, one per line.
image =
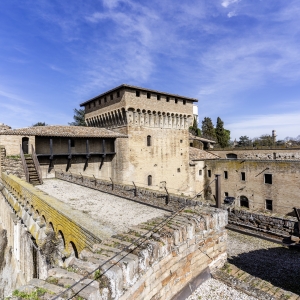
[149,197]
[261,154]
[30,203]
[283,191]
[12,143]
[282,227]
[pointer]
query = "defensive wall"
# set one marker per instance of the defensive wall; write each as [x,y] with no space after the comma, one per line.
[260,154]
[266,186]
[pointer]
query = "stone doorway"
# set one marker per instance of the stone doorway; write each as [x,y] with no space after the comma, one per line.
[25,141]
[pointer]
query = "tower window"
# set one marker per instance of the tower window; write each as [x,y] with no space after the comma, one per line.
[94,103]
[200,172]
[137,93]
[269,204]
[72,143]
[168,99]
[111,96]
[89,105]
[209,173]
[99,101]
[268,178]
[243,176]
[148,95]
[178,170]
[176,100]
[118,94]
[149,180]
[184,102]
[105,99]
[149,140]
[226,174]
[158,97]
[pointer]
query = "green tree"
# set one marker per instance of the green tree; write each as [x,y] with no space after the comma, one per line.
[40,124]
[79,119]
[194,129]
[208,130]
[223,135]
[244,141]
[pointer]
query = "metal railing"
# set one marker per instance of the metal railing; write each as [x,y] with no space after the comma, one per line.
[36,164]
[24,164]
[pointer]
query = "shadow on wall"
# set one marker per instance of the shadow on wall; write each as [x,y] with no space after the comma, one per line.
[279,266]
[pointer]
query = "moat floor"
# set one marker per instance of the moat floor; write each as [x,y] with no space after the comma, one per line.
[112,211]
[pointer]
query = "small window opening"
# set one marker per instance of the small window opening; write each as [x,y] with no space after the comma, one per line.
[243,176]
[244,202]
[268,178]
[158,97]
[149,140]
[209,173]
[168,99]
[118,94]
[72,143]
[89,105]
[105,99]
[269,204]
[184,102]
[94,103]
[137,93]
[149,180]
[111,96]
[99,101]
[176,100]
[200,172]
[226,174]
[191,144]
[178,170]
[274,155]
[226,194]
[180,141]
[148,95]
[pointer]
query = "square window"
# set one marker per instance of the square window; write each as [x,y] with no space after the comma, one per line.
[225,174]
[268,178]
[184,102]
[200,172]
[158,97]
[111,96]
[226,194]
[178,170]
[209,173]
[137,93]
[176,100]
[148,95]
[180,141]
[243,176]
[168,99]
[269,204]
[118,94]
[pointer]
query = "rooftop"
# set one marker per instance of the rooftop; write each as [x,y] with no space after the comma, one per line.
[201,139]
[64,131]
[198,154]
[140,89]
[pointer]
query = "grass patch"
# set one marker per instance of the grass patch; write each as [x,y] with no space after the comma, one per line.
[34,295]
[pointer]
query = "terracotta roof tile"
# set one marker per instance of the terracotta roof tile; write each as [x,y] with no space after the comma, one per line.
[197,154]
[64,131]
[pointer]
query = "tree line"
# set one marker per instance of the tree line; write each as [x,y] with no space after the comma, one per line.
[208,131]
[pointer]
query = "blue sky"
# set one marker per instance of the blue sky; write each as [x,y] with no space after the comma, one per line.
[240,58]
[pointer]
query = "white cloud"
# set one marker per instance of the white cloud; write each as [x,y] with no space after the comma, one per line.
[231,14]
[226,3]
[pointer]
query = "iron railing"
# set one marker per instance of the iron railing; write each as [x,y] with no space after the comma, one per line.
[36,164]
[24,164]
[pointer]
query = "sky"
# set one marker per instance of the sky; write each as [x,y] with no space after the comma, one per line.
[239,58]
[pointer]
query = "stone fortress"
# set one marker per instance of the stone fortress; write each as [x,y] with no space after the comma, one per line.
[136,146]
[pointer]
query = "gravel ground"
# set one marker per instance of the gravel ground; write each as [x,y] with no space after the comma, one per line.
[213,289]
[266,260]
[112,211]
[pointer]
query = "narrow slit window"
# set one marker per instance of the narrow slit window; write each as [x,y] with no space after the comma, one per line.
[268,178]
[176,100]
[118,94]
[168,99]
[209,173]
[184,102]
[111,96]
[94,103]
[149,180]
[178,170]
[200,172]
[149,140]
[72,143]
[226,174]
[269,204]
[105,99]
[137,93]
[243,176]
[158,97]
[148,95]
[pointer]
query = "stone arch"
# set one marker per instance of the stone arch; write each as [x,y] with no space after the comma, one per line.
[231,156]
[73,249]
[61,241]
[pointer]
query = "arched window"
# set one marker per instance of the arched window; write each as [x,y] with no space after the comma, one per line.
[231,156]
[149,140]
[149,180]
[244,202]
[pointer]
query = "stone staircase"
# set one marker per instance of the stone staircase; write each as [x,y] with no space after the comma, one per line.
[33,174]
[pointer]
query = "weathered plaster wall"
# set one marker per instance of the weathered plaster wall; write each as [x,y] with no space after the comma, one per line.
[12,143]
[284,190]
